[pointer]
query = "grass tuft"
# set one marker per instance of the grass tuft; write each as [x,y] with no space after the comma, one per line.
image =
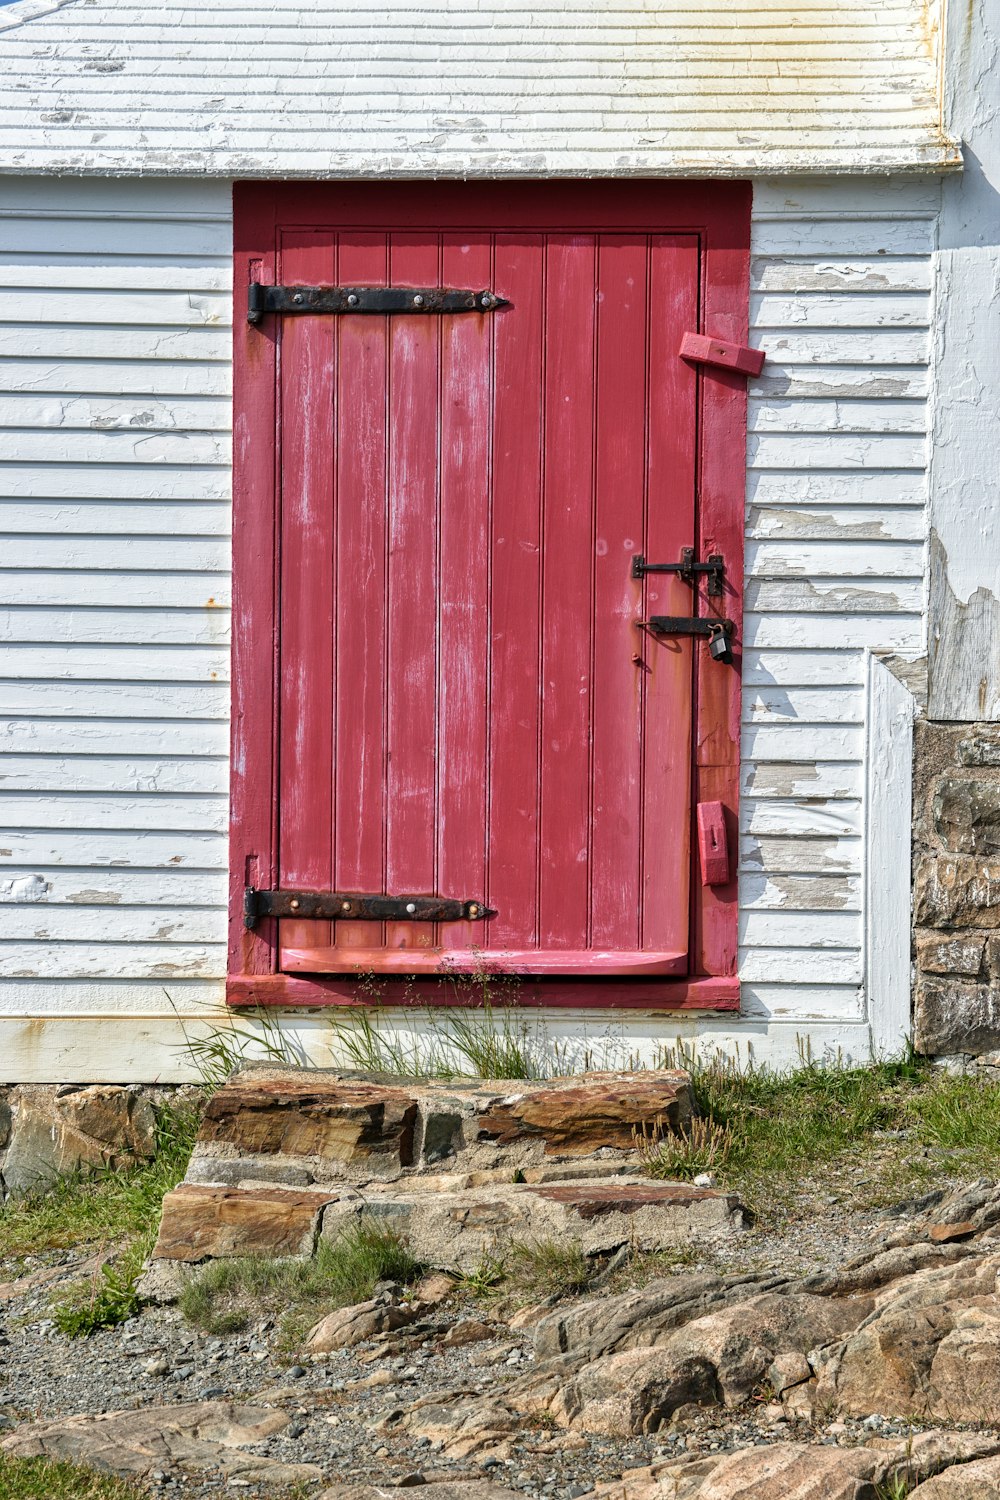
[230,1295]
[545,1268]
[703,1146]
[490,1039]
[875,1134]
[40,1479]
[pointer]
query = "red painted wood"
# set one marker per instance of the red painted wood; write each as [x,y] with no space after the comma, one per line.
[362,474]
[721,492]
[713,843]
[516,580]
[473,960]
[308,611]
[464,220]
[705,994]
[254,718]
[712,351]
[464,564]
[667,664]
[615,817]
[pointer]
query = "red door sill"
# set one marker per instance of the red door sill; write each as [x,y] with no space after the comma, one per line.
[702,992]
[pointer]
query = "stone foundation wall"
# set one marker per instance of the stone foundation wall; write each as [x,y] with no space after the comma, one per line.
[46,1131]
[956,890]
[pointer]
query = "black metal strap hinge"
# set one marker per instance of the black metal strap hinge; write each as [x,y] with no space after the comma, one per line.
[332,906]
[688,569]
[377,300]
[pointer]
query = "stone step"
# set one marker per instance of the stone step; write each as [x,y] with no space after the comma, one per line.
[301,1127]
[452,1229]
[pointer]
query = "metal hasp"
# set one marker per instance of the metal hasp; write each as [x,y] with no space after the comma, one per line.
[377,300]
[714,569]
[329,906]
[719,632]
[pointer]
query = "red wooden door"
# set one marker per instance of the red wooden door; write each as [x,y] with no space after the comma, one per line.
[466,705]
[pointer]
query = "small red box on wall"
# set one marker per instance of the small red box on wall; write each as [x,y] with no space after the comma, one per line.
[713,844]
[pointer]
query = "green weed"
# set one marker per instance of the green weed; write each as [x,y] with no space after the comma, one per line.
[216,1052]
[486,1277]
[229,1295]
[543,1268]
[702,1146]
[488,1039]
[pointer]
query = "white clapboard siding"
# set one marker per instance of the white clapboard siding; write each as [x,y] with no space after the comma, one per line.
[836,529]
[115,418]
[204,626]
[471,88]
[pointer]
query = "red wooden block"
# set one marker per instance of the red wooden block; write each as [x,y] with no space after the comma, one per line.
[708,351]
[713,845]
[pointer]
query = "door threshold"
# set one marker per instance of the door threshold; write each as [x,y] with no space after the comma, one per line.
[701,992]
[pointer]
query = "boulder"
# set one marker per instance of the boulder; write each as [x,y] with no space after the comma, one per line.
[56,1131]
[300,1112]
[806,1471]
[202,1223]
[723,1357]
[193,1438]
[577,1116]
[347,1326]
[978,1480]
[930,1348]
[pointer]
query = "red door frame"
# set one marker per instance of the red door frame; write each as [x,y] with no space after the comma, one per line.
[719,213]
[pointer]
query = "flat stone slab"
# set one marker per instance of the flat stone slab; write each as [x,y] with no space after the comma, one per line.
[297,1127]
[455,1230]
[206,1223]
[194,1438]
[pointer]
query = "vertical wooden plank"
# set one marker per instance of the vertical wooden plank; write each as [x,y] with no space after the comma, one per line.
[464,607]
[515,628]
[721,495]
[411,686]
[670,523]
[255,561]
[616,814]
[308,612]
[362,542]
[567,550]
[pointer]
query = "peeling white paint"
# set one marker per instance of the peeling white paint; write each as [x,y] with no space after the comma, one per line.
[964,663]
[464,89]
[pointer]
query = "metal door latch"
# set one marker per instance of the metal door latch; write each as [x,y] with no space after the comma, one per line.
[714,569]
[377,300]
[332,906]
[719,632]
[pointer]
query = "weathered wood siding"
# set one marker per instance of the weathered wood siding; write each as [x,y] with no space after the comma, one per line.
[115,453]
[836,493]
[317,88]
[114,396]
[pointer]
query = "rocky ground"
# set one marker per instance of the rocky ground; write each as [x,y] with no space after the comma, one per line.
[768,1370]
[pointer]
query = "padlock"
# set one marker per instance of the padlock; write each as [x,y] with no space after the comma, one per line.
[719,646]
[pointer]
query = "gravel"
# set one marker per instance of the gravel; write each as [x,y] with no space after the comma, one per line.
[336,1399]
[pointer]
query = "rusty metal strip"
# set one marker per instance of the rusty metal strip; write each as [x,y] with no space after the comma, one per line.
[374,300]
[331,906]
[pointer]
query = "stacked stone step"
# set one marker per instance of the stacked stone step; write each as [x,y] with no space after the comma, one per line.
[462,1170]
